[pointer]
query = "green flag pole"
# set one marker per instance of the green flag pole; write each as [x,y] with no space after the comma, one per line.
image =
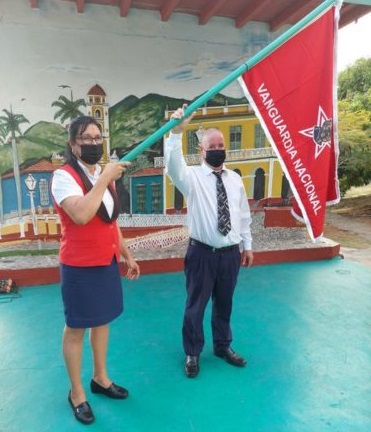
[228,79]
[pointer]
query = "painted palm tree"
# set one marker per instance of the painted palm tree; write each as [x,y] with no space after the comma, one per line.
[2,141]
[10,124]
[69,109]
[2,134]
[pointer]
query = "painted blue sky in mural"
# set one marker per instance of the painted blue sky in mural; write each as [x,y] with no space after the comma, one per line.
[197,70]
[54,46]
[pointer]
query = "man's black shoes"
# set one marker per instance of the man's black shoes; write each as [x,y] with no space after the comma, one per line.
[191,366]
[230,356]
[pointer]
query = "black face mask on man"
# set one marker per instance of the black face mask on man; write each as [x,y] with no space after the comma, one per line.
[215,158]
[91,153]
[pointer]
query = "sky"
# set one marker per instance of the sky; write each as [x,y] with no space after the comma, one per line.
[354,42]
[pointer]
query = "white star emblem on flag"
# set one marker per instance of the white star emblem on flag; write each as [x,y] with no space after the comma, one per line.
[321,133]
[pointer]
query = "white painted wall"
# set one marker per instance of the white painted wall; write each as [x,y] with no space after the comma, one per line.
[53,45]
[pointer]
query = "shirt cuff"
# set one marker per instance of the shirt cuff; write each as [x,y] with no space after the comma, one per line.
[246,245]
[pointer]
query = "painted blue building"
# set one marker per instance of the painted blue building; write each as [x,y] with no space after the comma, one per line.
[41,172]
[147,191]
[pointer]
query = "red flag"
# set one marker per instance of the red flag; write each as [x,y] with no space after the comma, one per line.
[293,92]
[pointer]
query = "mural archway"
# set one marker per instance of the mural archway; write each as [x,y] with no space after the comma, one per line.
[259,184]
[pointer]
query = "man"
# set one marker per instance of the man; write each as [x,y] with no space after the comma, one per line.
[218,223]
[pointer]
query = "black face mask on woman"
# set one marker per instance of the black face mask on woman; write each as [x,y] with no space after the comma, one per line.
[215,158]
[91,153]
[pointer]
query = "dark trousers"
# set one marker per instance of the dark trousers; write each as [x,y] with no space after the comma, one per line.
[209,274]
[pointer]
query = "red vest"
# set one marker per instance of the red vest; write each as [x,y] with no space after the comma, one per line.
[92,244]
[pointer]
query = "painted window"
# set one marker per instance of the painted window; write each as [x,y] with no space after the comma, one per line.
[235,133]
[44,192]
[141,198]
[178,200]
[259,184]
[156,197]
[259,137]
[285,188]
[192,142]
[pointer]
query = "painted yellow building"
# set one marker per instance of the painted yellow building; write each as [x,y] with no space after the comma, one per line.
[97,107]
[248,152]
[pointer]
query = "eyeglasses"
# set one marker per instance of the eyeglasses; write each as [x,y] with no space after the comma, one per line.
[87,139]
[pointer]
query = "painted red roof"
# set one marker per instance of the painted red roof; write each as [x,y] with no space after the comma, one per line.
[43,165]
[147,172]
[96,91]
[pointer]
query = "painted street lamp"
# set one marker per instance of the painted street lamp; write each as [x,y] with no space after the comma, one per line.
[63,86]
[31,185]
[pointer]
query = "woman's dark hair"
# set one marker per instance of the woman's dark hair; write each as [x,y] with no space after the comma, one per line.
[77,128]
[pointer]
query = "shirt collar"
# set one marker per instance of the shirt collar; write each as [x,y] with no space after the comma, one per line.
[97,170]
[208,170]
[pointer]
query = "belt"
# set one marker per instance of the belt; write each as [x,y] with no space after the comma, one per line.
[194,242]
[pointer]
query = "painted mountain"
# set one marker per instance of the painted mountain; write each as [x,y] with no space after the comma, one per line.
[131,121]
[39,141]
[134,119]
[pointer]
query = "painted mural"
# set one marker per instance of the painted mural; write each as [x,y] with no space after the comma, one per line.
[129,73]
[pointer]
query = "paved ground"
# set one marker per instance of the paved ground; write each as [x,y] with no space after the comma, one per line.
[353,234]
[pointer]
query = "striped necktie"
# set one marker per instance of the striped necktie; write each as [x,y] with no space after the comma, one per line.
[224,218]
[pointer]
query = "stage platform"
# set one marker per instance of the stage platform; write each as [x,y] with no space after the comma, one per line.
[304,328]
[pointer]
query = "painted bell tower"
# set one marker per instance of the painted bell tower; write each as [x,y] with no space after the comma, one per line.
[97,107]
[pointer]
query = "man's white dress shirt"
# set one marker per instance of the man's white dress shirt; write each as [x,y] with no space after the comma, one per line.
[198,185]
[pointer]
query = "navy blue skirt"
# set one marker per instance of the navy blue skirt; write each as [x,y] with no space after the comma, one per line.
[92,296]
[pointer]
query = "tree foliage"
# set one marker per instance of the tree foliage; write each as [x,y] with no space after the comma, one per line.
[354,112]
[2,134]
[355,79]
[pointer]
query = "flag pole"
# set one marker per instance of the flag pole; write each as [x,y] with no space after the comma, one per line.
[228,80]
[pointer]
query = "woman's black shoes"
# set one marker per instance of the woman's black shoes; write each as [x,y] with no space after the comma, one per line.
[83,412]
[113,391]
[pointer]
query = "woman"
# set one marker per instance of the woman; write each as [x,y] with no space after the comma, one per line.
[90,250]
